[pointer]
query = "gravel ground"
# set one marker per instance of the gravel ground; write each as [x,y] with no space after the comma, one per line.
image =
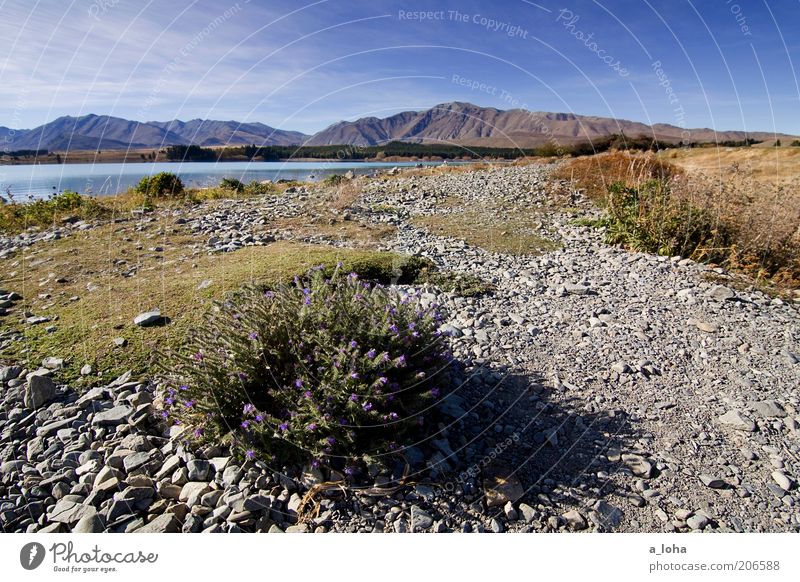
[601,390]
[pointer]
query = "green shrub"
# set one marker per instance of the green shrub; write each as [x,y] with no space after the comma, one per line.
[232,184]
[648,219]
[161,185]
[334,180]
[44,212]
[327,370]
[255,188]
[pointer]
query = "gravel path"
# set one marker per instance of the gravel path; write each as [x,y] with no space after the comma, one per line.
[602,391]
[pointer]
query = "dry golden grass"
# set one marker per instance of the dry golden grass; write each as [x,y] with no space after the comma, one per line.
[774,165]
[752,223]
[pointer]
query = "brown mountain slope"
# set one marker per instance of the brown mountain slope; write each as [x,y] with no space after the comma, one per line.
[467,124]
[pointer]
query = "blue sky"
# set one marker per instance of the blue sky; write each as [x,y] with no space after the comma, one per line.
[726,64]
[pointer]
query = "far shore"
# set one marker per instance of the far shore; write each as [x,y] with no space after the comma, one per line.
[144,157]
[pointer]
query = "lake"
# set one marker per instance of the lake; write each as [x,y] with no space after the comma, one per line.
[42,180]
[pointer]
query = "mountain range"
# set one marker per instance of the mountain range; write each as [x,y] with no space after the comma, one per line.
[452,123]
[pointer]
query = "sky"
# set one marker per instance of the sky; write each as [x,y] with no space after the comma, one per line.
[302,65]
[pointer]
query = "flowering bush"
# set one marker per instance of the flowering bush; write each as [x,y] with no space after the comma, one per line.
[327,369]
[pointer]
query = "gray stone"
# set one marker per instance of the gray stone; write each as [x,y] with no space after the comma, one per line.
[113,417]
[769,409]
[574,520]
[528,512]
[782,480]
[738,421]
[147,318]
[697,521]
[69,511]
[193,491]
[712,482]
[420,519]
[578,289]
[721,293]
[198,469]
[621,368]
[52,363]
[165,523]
[232,475]
[39,391]
[89,523]
[638,465]
[608,515]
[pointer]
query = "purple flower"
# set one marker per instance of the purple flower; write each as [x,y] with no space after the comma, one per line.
[311,427]
[246,424]
[198,432]
[383,380]
[307,393]
[434,392]
[393,328]
[198,356]
[298,383]
[248,408]
[252,335]
[367,406]
[283,427]
[169,401]
[307,300]
[393,416]
[350,471]
[250,454]
[401,362]
[353,344]
[354,398]
[371,353]
[269,294]
[331,440]
[189,404]
[315,463]
[183,387]
[259,417]
[354,375]
[412,325]
[165,414]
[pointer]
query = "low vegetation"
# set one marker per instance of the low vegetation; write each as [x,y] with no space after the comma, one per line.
[495,231]
[740,222]
[52,211]
[328,369]
[91,285]
[162,189]
[161,185]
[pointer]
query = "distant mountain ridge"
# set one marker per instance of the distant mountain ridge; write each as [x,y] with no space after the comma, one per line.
[99,132]
[452,123]
[471,125]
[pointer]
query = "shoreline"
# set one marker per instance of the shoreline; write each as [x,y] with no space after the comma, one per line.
[46,162]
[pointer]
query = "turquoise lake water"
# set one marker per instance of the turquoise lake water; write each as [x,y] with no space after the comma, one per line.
[42,180]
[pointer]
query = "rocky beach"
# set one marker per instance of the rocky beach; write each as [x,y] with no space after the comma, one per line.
[600,389]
